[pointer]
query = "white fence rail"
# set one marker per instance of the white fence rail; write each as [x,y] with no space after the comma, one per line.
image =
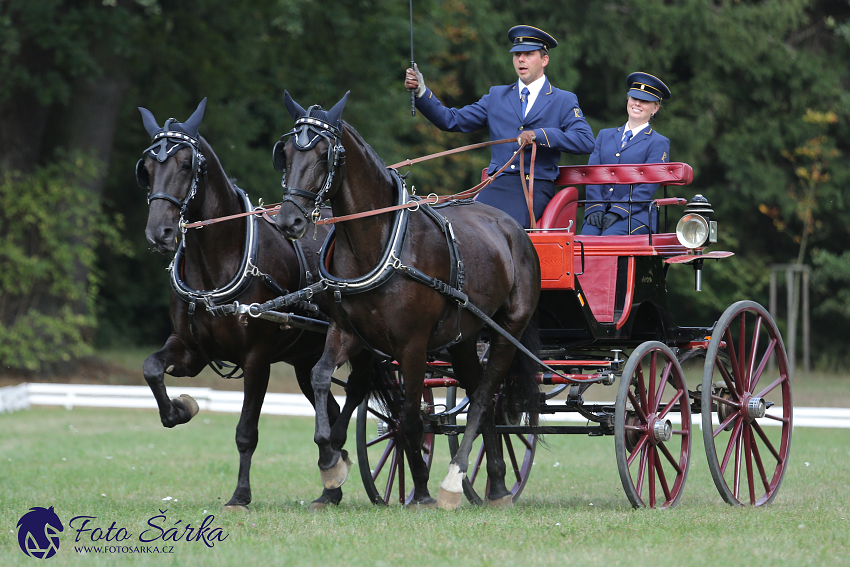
[22,396]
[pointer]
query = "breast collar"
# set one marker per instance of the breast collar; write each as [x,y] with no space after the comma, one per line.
[390,259]
[239,282]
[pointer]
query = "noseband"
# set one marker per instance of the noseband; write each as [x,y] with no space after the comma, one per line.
[160,150]
[306,134]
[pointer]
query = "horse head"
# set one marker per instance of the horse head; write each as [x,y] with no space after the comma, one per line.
[170,169]
[311,161]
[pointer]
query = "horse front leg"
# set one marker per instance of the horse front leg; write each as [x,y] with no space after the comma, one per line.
[332,468]
[256,382]
[302,374]
[175,359]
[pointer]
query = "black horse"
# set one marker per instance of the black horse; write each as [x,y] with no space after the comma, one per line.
[242,261]
[405,283]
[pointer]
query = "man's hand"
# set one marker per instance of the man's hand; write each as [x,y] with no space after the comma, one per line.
[594,219]
[528,136]
[414,81]
[608,220]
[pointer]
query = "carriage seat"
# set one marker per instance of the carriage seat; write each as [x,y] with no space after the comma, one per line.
[559,211]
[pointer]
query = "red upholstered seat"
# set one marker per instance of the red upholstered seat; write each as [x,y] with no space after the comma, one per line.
[561,210]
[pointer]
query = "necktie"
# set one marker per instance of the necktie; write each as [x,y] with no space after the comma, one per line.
[626,138]
[524,99]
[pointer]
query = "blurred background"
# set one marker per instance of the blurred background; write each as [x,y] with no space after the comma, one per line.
[760,110]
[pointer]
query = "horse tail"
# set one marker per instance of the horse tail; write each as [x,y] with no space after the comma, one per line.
[385,390]
[522,393]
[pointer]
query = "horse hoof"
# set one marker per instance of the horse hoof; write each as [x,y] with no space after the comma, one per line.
[429,504]
[190,404]
[503,502]
[336,475]
[448,500]
[236,508]
[317,506]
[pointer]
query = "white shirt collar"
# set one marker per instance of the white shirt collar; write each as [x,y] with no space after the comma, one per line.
[635,131]
[533,90]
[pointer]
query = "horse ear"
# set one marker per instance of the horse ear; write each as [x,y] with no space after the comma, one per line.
[335,113]
[191,126]
[149,121]
[295,109]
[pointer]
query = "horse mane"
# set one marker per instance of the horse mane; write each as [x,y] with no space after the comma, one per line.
[368,151]
[213,161]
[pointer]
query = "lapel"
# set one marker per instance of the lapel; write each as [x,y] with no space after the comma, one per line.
[640,138]
[513,97]
[544,97]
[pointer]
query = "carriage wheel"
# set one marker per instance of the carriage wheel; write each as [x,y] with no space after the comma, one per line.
[517,450]
[380,453]
[652,427]
[746,405]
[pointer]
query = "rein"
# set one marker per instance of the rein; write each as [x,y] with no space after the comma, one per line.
[432,199]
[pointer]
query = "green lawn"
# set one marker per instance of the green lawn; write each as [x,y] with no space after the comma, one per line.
[119,465]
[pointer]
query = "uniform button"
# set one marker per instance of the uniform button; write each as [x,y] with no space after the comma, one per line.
[513,167]
[618,155]
[611,189]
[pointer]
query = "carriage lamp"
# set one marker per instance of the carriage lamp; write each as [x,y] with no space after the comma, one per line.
[696,226]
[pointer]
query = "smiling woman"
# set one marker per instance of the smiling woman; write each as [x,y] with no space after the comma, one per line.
[625,209]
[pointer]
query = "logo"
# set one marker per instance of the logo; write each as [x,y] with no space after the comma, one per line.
[38,532]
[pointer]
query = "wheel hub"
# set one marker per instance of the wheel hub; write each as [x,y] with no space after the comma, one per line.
[662,431]
[756,408]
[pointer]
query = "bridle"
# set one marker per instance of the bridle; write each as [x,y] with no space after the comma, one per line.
[160,150]
[307,132]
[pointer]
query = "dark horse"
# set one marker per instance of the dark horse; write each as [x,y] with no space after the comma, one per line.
[391,297]
[187,182]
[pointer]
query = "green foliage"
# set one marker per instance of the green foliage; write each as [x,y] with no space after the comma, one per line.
[49,281]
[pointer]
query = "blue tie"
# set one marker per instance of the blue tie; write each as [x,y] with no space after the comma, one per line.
[524,99]
[627,137]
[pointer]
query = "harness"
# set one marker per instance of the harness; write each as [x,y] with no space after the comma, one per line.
[217,301]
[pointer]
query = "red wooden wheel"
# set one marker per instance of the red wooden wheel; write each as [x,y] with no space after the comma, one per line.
[746,405]
[652,427]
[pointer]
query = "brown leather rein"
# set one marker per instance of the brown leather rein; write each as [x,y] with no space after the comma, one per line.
[432,199]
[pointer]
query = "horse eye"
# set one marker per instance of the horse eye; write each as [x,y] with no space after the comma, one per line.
[186,165]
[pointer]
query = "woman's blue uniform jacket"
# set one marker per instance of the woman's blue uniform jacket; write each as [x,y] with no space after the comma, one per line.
[648,146]
[555,117]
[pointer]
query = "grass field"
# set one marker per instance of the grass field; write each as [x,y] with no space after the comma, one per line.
[121,466]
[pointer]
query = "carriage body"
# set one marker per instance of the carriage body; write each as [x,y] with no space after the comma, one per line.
[604,319]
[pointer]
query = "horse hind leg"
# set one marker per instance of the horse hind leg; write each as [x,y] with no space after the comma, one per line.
[175,359]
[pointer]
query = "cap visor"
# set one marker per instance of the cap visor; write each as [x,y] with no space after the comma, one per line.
[643,95]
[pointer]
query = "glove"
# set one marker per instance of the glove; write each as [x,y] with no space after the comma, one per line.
[415,81]
[608,220]
[594,219]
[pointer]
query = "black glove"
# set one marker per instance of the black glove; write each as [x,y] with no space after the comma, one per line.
[608,220]
[594,219]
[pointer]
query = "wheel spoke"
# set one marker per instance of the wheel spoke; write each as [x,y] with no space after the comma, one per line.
[767,442]
[663,383]
[733,362]
[638,448]
[759,464]
[637,407]
[380,438]
[653,363]
[750,383]
[677,397]
[765,359]
[661,478]
[732,442]
[402,493]
[670,458]
[380,416]
[739,448]
[725,401]
[510,449]
[773,385]
[380,465]
[388,490]
[742,353]
[641,470]
[727,377]
[478,460]
[722,426]
[651,479]
[641,387]
[748,457]
[526,443]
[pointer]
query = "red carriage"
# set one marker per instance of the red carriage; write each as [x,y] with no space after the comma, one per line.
[604,319]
